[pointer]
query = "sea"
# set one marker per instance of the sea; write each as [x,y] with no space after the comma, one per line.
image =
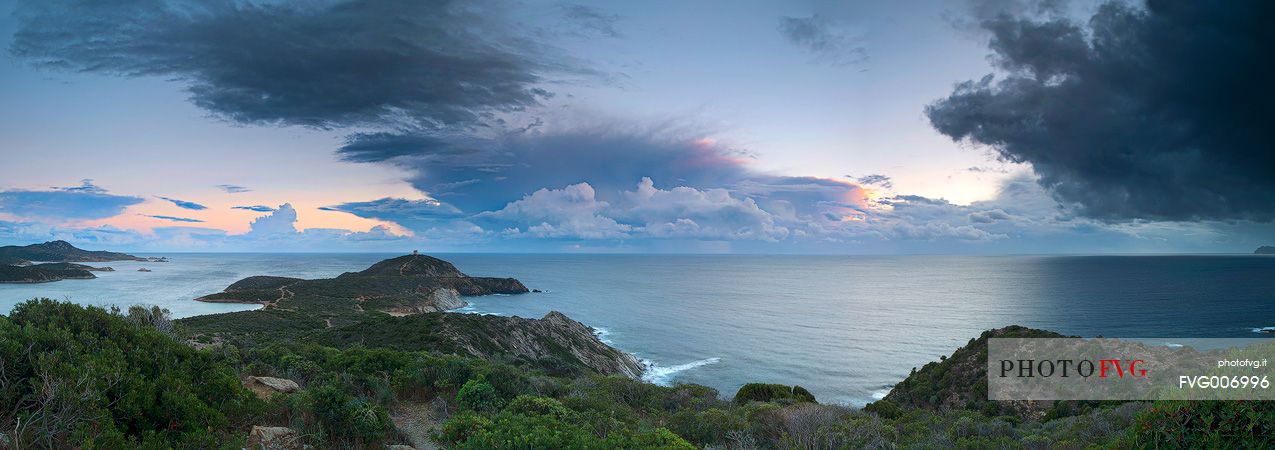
[845,327]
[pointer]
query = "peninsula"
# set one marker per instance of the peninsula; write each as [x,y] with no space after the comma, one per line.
[399,303]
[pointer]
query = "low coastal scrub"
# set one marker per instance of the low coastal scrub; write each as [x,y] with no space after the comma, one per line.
[86,377]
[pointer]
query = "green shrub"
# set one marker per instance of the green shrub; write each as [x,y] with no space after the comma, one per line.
[478,395]
[884,409]
[1207,424]
[708,427]
[535,405]
[802,395]
[78,376]
[762,392]
[516,431]
[344,417]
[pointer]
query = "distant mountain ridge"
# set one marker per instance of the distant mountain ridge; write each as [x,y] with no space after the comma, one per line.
[1264,250]
[59,251]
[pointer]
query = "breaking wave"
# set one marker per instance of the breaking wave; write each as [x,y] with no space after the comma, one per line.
[663,376]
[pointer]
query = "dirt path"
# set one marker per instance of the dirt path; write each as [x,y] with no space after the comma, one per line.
[403,268]
[284,294]
[414,421]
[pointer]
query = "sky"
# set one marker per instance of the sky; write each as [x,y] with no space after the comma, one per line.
[930,127]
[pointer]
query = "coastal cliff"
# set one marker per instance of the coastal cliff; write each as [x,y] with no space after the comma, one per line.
[555,342]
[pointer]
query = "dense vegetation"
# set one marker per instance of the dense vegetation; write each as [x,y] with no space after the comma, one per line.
[73,376]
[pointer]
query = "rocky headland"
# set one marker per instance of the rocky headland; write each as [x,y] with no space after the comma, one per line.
[400,303]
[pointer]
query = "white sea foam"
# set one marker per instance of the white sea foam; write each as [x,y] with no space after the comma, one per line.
[602,334]
[878,395]
[470,309]
[663,376]
[1172,345]
[1264,330]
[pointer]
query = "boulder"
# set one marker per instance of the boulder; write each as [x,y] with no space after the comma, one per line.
[273,438]
[264,387]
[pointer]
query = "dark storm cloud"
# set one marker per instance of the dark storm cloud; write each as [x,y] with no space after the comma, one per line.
[415,214]
[829,41]
[233,189]
[256,208]
[320,64]
[174,219]
[483,175]
[381,146]
[1160,112]
[474,176]
[184,204]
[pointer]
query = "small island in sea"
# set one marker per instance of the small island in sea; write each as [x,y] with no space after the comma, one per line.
[48,272]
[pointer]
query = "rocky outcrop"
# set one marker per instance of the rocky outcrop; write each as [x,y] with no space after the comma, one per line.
[273,438]
[1264,250]
[440,299]
[44,273]
[61,251]
[584,344]
[555,342]
[265,387]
